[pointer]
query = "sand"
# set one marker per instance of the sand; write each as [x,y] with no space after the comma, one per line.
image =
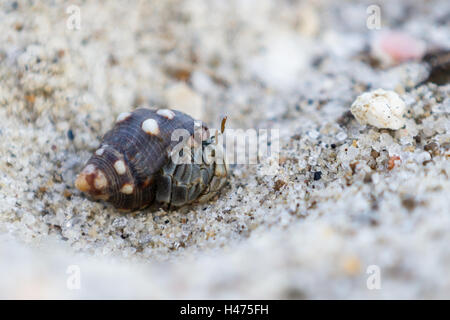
[348,202]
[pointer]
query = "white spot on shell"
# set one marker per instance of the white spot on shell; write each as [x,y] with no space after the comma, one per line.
[127,188]
[123,116]
[119,166]
[166,113]
[100,151]
[150,126]
[100,181]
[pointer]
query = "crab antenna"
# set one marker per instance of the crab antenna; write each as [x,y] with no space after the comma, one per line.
[222,127]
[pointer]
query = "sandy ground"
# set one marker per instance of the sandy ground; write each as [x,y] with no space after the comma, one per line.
[292,66]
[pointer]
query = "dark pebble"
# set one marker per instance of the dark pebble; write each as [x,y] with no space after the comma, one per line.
[70,135]
[317,175]
[431,147]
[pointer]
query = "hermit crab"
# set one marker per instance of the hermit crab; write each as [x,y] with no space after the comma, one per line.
[155,157]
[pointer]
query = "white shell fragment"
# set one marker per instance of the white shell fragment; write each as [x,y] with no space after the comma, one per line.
[393,47]
[380,108]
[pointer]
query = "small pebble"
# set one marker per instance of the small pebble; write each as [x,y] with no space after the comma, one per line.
[409,203]
[279,184]
[182,98]
[308,20]
[391,162]
[351,265]
[380,108]
[317,175]
[432,148]
[438,62]
[70,135]
[341,136]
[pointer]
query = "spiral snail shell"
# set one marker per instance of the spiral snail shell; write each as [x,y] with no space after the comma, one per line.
[155,156]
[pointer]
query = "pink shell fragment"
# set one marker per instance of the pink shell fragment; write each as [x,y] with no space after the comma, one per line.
[395,47]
